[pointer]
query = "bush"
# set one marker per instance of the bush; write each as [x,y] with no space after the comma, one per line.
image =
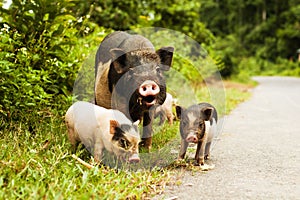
[41,52]
[282,67]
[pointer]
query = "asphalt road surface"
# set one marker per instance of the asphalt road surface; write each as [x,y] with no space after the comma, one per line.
[258,155]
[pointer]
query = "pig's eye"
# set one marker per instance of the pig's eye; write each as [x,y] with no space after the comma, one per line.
[124,143]
[201,125]
[157,69]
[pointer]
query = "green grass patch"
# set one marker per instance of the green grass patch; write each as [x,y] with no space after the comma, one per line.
[234,97]
[38,165]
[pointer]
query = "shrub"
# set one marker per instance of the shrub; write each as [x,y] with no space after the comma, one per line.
[41,52]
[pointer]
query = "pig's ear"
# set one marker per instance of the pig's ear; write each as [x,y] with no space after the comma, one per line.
[207,113]
[136,123]
[113,125]
[179,111]
[166,55]
[119,60]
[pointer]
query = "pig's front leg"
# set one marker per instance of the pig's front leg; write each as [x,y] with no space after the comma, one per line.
[147,131]
[183,146]
[199,157]
[73,137]
[98,150]
[147,137]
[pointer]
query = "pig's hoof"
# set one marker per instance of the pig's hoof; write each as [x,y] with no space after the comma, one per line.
[206,167]
[207,157]
[196,163]
[144,148]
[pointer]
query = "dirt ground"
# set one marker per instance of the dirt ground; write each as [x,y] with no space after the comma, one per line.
[257,154]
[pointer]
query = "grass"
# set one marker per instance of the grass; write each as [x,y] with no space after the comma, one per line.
[37,164]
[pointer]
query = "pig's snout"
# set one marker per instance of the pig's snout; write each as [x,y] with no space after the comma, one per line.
[192,138]
[134,158]
[148,88]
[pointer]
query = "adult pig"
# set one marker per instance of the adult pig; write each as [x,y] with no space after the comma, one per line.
[129,77]
[99,128]
[198,124]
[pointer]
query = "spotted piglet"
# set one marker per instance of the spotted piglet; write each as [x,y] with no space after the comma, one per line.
[99,128]
[198,124]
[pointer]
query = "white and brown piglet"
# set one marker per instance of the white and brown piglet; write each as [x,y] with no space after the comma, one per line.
[198,124]
[99,128]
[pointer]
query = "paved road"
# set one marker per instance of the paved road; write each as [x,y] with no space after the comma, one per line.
[258,156]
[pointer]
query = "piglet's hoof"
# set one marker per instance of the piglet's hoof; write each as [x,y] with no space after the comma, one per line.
[207,157]
[145,145]
[206,167]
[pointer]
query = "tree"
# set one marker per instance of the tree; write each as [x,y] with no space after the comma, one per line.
[267,30]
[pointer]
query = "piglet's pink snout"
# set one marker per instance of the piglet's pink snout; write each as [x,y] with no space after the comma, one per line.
[134,158]
[192,138]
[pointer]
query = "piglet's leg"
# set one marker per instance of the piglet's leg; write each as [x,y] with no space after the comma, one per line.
[73,139]
[183,147]
[207,151]
[170,118]
[98,147]
[98,152]
[199,157]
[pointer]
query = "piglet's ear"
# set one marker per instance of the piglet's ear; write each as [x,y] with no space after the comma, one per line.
[136,123]
[207,113]
[166,55]
[113,125]
[179,111]
[118,60]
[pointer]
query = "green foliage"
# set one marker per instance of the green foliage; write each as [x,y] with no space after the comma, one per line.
[112,14]
[180,15]
[281,67]
[183,16]
[230,51]
[265,30]
[40,56]
[252,66]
